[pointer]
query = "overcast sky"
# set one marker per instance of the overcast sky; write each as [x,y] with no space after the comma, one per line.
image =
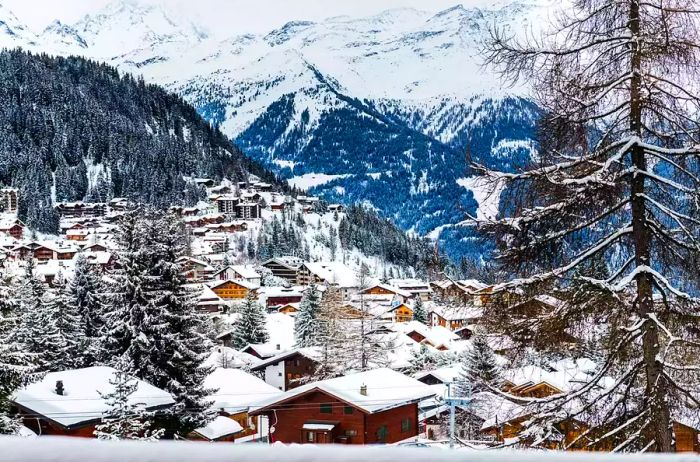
[226,16]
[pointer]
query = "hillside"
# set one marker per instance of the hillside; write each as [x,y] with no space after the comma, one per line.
[380,110]
[71,129]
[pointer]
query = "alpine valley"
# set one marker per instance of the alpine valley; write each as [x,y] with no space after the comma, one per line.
[381,110]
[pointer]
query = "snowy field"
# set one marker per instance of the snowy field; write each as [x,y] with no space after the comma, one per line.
[51,449]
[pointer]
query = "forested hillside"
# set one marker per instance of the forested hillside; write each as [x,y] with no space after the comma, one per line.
[73,129]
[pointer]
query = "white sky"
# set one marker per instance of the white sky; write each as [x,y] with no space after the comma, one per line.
[226,17]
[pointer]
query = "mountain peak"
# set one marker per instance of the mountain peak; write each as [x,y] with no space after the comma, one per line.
[287,32]
[58,32]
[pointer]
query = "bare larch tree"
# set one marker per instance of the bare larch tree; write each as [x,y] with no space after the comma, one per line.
[616,181]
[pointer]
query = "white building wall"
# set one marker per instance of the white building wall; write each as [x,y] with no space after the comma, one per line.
[274,375]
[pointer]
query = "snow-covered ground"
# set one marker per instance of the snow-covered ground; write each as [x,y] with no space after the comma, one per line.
[53,449]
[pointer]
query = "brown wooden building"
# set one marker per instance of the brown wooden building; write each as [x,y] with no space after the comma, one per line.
[373,407]
[232,290]
[70,403]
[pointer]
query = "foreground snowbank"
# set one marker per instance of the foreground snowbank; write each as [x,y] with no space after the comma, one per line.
[51,449]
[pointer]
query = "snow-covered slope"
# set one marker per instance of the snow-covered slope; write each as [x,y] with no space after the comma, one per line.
[388,104]
[13,33]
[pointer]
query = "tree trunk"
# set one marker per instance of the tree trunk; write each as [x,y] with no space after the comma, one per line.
[660,430]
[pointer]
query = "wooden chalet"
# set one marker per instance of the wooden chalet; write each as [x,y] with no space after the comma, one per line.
[290,369]
[238,272]
[80,209]
[454,317]
[228,227]
[70,403]
[195,270]
[13,228]
[236,392]
[220,430]
[232,290]
[467,291]
[288,308]
[284,267]
[386,291]
[379,406]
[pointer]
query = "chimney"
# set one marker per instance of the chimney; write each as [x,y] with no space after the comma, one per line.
[59,387]
[363,390]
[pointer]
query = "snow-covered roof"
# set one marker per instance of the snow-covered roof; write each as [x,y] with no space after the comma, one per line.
[494,409]
[472,284]
[237,390]
[334,273]
[97,257]
[392,289]
[246,272]
[229,357]
[445,374]
[563,375]
[219,427]
[310,352]
[411,285]
[450,313]
[384,389]
[82,397]
[240,282]
[437,335]
[289,261]
[279,291]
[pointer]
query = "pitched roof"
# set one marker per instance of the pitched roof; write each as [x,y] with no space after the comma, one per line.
[219,427]
[239,282]
[386,389]
[333,273]
[237,390]
[392,289]
[312,353]
[82,399]
[446,374]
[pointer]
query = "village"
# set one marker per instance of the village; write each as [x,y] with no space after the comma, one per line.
[410,390]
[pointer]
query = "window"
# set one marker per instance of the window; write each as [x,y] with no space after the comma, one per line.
[310,437]
[350,432]
[382,433]
[405,425]
[279,374]
[347,410]
[326,409]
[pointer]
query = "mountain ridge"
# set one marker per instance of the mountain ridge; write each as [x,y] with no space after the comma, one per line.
[289,98]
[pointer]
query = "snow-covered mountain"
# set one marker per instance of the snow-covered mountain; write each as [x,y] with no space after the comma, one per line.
[379,109]
[14,33]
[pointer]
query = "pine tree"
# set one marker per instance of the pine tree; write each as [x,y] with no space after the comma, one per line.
[36,331]
[130,314]
[422,360]
[182,352]
[84,293]
[480,371]
[250,327]
[419,312]
[16,369]
[152,322]
[125,420]
[306,323]
[70,346]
